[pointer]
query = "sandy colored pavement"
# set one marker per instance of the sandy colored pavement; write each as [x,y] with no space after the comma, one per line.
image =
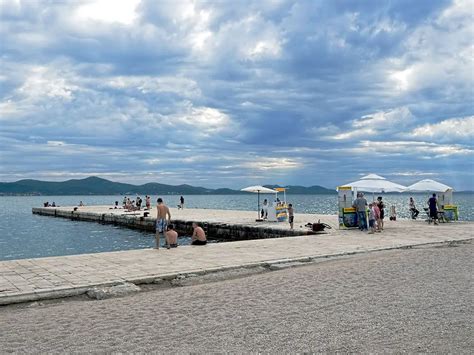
[32,279]
[412,300]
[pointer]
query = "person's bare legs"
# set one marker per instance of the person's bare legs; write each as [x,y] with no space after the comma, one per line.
[157,239]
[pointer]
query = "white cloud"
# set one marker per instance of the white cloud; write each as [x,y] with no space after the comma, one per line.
[55,143]
[148,84]
[448,130]
[204,119]
[414,173]
[265,164]
[109,11]
[389,122]
[409,148]
[437,54]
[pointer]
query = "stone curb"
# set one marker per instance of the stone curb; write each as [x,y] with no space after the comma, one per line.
[271,265]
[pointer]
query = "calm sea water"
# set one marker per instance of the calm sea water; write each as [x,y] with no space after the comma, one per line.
[24,235]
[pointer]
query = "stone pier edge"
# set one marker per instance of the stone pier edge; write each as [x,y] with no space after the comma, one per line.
[65,292]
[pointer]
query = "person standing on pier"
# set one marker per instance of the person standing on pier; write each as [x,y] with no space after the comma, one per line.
[360,204]
[291,215]
[163,217]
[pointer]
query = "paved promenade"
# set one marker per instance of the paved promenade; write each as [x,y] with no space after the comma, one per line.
[53,277]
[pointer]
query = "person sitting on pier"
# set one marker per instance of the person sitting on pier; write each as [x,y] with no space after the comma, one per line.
[163,217]
[199,236]
[171,237]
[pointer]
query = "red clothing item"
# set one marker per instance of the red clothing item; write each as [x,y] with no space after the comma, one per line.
[376,211]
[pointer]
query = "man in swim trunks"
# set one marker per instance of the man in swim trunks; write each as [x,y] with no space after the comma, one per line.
[199,236]
[171,237]
[163,217]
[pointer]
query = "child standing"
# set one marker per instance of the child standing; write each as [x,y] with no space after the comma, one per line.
[371,219]
[375,207]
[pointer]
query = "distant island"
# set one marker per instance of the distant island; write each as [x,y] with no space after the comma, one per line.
[98,186]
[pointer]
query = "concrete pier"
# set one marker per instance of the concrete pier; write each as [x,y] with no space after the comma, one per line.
[223,225]
[55,277]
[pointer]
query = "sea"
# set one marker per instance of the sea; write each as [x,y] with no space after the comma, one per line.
[25,235]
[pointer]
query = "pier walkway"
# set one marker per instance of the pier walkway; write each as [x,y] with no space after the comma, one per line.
[55,277]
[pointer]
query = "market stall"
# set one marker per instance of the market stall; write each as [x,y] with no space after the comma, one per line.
[370,183]
[447,208]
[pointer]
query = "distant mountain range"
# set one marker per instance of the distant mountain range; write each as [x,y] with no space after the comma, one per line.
[98,186]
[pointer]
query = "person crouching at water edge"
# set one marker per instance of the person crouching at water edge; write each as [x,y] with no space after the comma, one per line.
[171,237]
[199,236]
[163,217]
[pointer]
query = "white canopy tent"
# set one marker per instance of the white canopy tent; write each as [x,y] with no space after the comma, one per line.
[428,185]
[259,190]
[376,183]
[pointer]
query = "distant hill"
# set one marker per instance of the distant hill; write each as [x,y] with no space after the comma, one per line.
[302,190]
[98,186]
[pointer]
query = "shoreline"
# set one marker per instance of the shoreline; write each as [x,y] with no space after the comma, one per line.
[26,280]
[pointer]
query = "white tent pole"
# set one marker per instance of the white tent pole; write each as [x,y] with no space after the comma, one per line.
[258,204]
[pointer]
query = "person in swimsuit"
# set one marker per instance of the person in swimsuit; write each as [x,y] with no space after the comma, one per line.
[171,237]
[199,236]
[163,217]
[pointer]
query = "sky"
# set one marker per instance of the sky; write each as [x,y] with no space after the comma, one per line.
[237,93]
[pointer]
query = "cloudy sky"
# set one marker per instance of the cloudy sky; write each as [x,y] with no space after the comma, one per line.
[232,93]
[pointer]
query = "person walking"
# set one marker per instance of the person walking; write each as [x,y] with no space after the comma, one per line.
[181,202]
[163,218]
[433,208]
[382,211]
[360,205]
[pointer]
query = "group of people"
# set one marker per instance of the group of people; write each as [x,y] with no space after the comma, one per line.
[433,209]
[136,205]
[376,213]
[291,211]
[166,228]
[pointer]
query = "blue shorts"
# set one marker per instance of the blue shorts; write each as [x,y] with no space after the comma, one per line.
[161,225]
[371,223]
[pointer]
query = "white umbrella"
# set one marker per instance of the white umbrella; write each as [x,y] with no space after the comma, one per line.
[259,190]
[376,183]
[428,185]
